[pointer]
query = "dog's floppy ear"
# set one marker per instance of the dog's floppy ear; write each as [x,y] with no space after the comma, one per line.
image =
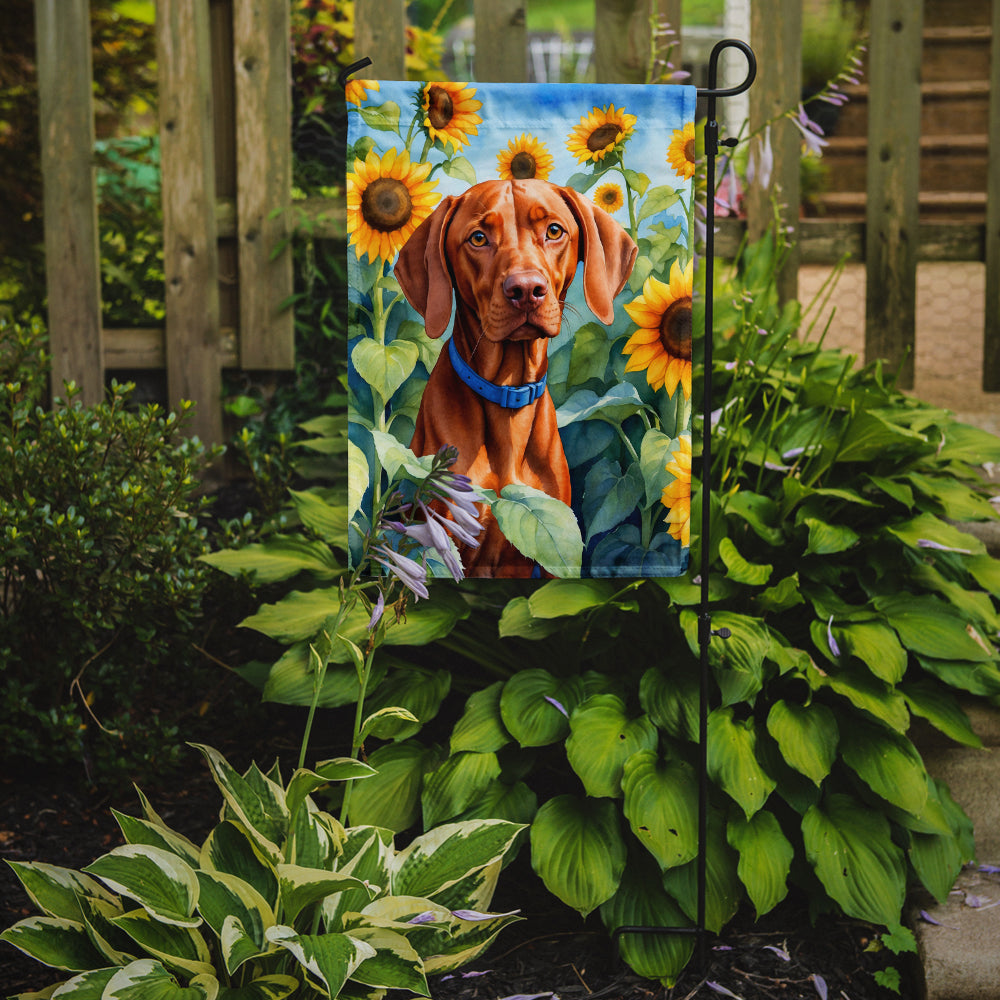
[422,269]
[607,252]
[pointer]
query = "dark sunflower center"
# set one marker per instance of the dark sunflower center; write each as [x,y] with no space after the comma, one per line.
[609,197]
[689,150]
[440,108]
[386,204]
[675,329]
[522,166]
[601,137]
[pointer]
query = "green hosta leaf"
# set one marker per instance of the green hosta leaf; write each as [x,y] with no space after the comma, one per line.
[613,501]
[850,847]
[330,959]
[807,736]
[866,692]
[456,784]
[279,558]
[528,710]
[517,620]
[438,859]
[418,690]
[941,709]
[870,435]
[358,478]
[56,891]
[658,199]
[976,678]
[230,849]
[888,763]
[384,367]
[602,738]
[327,520]
[738,661]
[391,798]
[395,964]
[559,598]
[159,881]
[578,851]
[641,901]
[515,803]
[876,646]
[301,887]
[765,858]
[783,595]
[986,572]
[760,512]
[937,858]
[828,539]
[54,941]
[541,528]
[275,987]
[262,812]
[732,761]
[590,352]
[928,528]
[481,728]
[932,628]
[671,701]
[661,799]
[180,948]
[738,569]
[723,889]
[957,501]
[147,979]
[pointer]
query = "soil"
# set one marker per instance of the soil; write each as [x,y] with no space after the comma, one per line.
[551,953]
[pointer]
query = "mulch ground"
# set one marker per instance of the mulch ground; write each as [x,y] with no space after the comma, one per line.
[551,953]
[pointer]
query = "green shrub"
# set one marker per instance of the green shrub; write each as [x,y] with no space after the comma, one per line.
[279,900]
[99,539]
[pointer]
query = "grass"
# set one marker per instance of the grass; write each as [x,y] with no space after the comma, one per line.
[578,15]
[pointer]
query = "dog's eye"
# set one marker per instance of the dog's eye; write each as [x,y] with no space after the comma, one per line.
[478,238]
[553,231]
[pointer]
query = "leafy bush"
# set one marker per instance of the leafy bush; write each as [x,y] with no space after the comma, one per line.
[99,539]
[854,602]
[279,899]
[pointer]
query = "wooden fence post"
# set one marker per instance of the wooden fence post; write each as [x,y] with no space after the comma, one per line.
[893,183]
[501,36]
[991,332]
[72,255]
[190,250]
[380,34]
[776,34]
[622,40]
[262,63]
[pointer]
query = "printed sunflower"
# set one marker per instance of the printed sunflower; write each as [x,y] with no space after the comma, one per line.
[609,197]
[601,133]
[681,152]
[677,496]
[387,198]
[662,344]
[449,112]
[526,156]
[356,91]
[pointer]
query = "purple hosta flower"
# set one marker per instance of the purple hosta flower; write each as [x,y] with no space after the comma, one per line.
[820,983]
[465,975]
[780,952]
[409,572]
[377,612]
[719,988]
[427,917]
[990,869]
[834,648]
[475,915]
[760,164]
[462,533]
[927,543]
[558,705]
[811,132]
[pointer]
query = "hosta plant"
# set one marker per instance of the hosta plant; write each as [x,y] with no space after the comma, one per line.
[279,900]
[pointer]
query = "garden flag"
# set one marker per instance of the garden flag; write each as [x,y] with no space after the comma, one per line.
[520,263]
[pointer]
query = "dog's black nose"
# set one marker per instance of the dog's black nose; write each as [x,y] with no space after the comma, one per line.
[525,289]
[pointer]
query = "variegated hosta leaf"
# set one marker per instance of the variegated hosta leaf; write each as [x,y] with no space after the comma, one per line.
[141,831]
[304,782]
[149,980]
[54,941]
[230,849]
[850,847]
[86,986]
[256,801]
[578,851]
[475,891]
[468,939]
[275,987]
[56,891]
[301,887]
[395,964]
[158,880]
[441,857]
[765,858]
[661,805]
[116,946]
[602,737]
[315,838]
[177,947]
[807,736]
[329,959]
[642,902]
[367,853]
[732,760]
[225,897]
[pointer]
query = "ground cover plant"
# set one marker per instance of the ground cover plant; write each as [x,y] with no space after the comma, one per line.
[854,603]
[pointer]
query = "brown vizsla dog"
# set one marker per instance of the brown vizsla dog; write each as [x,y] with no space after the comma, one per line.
[509,250]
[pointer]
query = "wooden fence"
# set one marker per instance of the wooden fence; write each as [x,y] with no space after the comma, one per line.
[226,161]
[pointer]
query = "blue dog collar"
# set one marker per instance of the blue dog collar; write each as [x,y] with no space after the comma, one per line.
[512,397]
